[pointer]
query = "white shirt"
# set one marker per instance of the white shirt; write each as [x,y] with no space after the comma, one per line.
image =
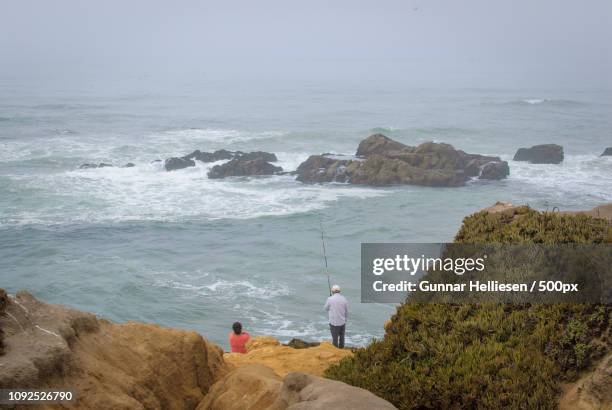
[337,306]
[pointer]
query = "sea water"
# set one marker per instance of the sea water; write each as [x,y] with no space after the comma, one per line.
[180,250]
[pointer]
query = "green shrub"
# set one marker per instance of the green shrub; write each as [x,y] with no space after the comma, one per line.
[486,355]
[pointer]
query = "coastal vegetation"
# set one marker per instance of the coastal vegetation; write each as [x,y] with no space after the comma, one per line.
[437,355]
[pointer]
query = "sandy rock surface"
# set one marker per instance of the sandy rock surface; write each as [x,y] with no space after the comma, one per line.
[284,359]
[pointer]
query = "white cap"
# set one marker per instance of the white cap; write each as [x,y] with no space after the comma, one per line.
[335,289]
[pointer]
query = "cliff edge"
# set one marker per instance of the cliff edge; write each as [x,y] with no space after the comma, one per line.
[140,366]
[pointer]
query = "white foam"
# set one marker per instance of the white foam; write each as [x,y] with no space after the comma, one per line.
[227,136]
[119,149]
[221,289]
[534,101]
[148,192]
[577,175]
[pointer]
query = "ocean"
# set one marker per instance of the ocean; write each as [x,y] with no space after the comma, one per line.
[180,250]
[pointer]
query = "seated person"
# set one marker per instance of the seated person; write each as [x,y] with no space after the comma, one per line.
[238,339]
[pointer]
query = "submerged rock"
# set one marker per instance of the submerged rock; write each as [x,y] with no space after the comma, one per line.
[541,154]
[100,165]
[607,152]
[242,166]
[128,165]
[384,161]
[174,163]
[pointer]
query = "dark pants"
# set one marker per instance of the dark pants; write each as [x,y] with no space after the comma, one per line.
[338,335]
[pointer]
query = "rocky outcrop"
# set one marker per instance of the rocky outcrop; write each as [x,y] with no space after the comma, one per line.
[174,163]
[305,391]
[240,163]
[495,170]
[383,161]
[223,154]
[541,154]
[3,304]
[296,391]
[592,391]
[110,366]
[284,359]
[247,165]
[607,152]
[601,211]
[378,144]
[138,366]
[320,168]
[261,385]
[218,155]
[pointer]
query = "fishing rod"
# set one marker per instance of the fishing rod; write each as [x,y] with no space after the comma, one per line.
[325,256]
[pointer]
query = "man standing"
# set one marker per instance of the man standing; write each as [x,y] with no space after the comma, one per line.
[337,307]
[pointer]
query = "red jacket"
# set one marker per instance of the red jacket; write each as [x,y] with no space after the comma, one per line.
[238,342]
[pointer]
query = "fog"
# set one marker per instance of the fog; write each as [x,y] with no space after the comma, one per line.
[469,43]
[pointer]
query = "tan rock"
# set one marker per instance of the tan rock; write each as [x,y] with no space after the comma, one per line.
[307,392]
[251,387]
[257,387]
[592,391]
[285,359]
[109,366]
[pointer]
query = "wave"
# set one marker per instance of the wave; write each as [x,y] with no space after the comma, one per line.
[384,130]
[147,192]
[228,136]
[66,144]
[578,176]
[545,101]
[222,289]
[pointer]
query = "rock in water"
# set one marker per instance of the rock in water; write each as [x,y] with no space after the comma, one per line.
[218,155]
[319,168]
[384,161]
[224,154]
[100,165]
[266,156]
[243,167]
[607,152]
[495,170]
[378,144]
[128,165]
[541,154]
[174,163]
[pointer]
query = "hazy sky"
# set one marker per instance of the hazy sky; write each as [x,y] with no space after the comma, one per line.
[511,42]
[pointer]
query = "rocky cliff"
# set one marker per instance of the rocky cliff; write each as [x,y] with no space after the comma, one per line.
[139,366]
